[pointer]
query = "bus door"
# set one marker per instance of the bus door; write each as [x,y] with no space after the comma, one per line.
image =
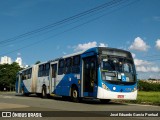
[19,80]
[53,78]
[89,76]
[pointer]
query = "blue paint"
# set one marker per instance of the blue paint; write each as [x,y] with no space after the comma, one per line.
[88,54]
[16,85]
[99,77]
[63,88]
[85,94]
[119,88]
[24,87]
[123,77]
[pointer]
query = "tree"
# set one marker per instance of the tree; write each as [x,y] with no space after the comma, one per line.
[8,75]
[145,86]
[38,62]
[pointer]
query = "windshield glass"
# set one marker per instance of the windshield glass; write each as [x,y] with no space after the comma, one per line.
[117,68]
[117,64]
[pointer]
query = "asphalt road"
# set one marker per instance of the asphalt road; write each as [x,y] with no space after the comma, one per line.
[56,108]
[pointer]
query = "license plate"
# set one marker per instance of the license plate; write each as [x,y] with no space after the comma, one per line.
[120,96]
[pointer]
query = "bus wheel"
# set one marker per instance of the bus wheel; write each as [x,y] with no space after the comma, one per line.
[39,94]
[66,98]
[74,95]
[44,94]
[105,100]
[23,91]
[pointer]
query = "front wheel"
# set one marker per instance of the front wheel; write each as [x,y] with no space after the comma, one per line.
[75,95]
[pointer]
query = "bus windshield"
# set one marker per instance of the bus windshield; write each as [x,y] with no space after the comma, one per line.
[114,67]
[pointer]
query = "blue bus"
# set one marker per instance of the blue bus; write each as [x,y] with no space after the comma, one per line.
[98,73]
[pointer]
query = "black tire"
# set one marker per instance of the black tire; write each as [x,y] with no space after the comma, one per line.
[23,93]
[44,92]
[48,96]
[105,100]
[75,95]
[26,94]
[39,94]
[66,98]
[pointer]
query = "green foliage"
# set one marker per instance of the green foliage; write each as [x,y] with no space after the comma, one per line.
[148,97]
[37,62]
[145,86]
[144,97]
[8,75]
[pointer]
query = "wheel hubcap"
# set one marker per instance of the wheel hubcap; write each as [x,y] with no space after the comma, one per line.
[74,93]
[22,91]
[43,92]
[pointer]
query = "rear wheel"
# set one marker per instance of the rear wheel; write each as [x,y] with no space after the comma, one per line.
[66,98]
[39,94]
[23,93]
[44,92]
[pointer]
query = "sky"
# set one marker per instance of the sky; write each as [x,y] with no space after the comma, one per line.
[132,25]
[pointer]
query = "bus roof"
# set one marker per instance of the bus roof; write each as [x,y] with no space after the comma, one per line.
[97,49]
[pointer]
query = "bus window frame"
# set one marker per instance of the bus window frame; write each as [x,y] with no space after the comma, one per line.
[68,65]
[61,67]
[76,65]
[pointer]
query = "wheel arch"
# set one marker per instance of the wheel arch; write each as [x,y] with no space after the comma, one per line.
[73,86]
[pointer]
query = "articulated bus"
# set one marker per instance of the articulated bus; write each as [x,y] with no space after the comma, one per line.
[98,73]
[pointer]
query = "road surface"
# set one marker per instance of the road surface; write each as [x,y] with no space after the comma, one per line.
[59,109]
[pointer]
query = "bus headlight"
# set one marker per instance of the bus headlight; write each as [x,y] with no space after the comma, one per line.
[105,87]
[135,88]
[114,88]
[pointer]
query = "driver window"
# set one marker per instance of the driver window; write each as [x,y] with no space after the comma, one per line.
[126,67]
[107,65]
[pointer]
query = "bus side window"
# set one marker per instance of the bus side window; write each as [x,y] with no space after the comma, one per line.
[40,71]
[76,64]
[54,70]
[46,71]
[61,66]
[29,73]
[26,75]
[68,62]
[23,75]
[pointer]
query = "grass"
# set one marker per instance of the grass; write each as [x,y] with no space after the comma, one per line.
[150,98]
